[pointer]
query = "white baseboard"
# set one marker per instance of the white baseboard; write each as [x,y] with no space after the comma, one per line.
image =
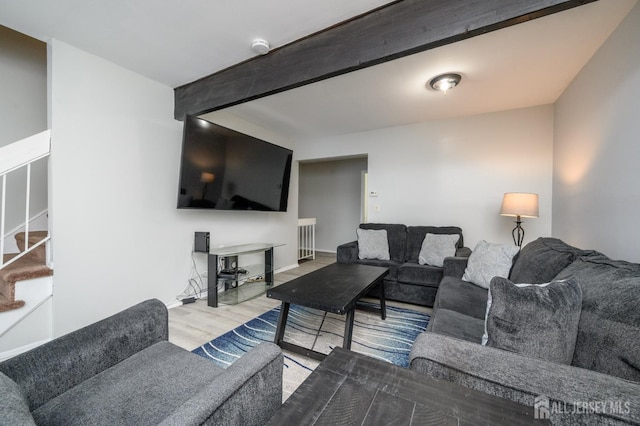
[327,251]
[17,351]
[286,268]
[177,303]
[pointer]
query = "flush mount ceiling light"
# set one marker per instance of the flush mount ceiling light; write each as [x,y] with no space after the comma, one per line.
[260,46]
[444,82]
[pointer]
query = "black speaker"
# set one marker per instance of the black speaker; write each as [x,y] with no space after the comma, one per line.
[201,242]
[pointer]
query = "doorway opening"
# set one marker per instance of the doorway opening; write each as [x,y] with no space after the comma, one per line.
[333,191]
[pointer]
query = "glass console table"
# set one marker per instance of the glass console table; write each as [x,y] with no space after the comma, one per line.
[239,282]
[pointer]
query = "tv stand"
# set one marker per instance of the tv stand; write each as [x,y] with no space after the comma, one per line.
[239,283]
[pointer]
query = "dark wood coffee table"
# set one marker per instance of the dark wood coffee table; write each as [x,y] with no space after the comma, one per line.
[335,288]
[354,389]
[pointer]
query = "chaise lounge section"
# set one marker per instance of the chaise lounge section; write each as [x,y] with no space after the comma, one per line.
[122,370]
[600,384]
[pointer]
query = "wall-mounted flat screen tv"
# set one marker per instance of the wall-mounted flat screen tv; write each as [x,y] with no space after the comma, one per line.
[223,169]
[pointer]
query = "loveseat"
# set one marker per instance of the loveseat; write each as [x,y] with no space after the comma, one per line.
[123,371]
[600,382]
[408,280]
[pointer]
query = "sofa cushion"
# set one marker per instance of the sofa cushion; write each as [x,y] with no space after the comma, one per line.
[461,296]
[455,324]
[415,294]
[541,260]
[373,244]
[413,273]
[143,389]
[609,330]
[435,248]
[536,320]
[14,408]
[489,260]
[394,267]
[396,236]
[416,234]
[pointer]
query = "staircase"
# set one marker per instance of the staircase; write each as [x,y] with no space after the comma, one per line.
[26,282]
[29,266]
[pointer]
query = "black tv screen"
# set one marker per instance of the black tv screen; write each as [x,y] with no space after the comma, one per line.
[224,169]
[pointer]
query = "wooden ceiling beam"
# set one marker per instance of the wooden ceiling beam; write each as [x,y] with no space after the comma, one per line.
[389,32]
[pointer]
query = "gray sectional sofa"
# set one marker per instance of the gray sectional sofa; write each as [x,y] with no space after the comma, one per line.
[407,281]
[601,384]
[123,371]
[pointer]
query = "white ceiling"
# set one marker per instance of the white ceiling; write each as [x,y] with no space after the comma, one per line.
[175,43]
[524,65]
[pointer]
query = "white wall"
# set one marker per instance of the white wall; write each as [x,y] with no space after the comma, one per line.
[117,236]
[331,192]
[454,172]
[23,112]
[597,149]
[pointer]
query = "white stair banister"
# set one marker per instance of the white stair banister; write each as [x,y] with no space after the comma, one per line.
[25,151]
[13,157]
[307,238]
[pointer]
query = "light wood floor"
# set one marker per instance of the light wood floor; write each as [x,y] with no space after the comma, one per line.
[196,323]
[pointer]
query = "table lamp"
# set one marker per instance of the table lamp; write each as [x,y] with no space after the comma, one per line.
[519,205]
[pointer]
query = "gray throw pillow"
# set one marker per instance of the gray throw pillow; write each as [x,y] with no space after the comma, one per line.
[489,260]
[435,247]
[535,320]
[373,244]
[14,408]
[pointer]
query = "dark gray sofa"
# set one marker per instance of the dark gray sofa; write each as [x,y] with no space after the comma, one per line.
[407,281]
[123,371]
[605,371]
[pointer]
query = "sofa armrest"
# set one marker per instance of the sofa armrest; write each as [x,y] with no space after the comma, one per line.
[523,379]
[454,266]
[57,366]
[463,252]
[347,253]
[247,393]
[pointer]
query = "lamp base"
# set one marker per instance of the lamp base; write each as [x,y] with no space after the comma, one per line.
[518,233]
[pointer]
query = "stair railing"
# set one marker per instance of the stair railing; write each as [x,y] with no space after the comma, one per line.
[307,238]
[14,157]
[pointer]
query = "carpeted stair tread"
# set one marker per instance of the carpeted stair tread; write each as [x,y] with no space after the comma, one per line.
[8,305]
[32,265]
[39,253]
[24,268]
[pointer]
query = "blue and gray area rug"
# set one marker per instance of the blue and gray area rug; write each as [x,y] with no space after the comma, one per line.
[389,340]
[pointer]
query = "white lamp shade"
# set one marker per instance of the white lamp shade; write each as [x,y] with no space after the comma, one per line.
[519,204]
[207,177]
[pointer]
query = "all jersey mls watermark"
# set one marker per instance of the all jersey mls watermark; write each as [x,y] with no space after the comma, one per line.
[544,409]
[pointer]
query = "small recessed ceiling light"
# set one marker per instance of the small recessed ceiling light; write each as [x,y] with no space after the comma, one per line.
[445,82]
[260,46]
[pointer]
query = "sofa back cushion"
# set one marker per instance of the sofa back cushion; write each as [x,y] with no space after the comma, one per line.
[396,235]
[609,329]
[416,234]
[541,260]
[14,408]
